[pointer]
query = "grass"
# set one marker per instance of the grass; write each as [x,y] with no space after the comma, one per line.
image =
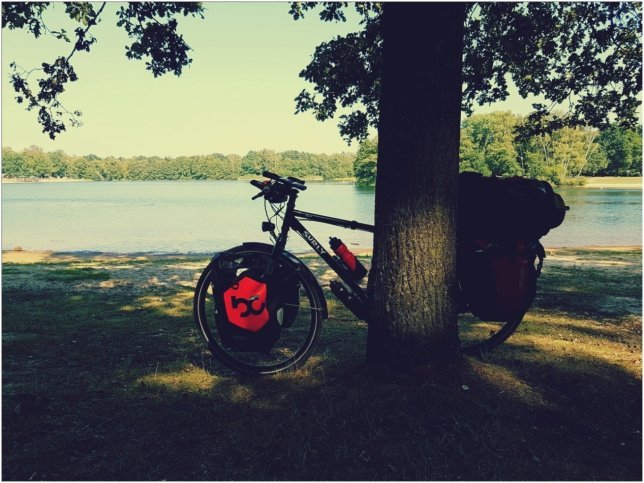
[76,274]
[105,378]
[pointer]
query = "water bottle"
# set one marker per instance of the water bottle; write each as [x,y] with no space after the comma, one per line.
[349,260]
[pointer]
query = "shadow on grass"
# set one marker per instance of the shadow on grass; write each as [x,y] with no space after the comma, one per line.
[115,384]
[592,293]
[610,329]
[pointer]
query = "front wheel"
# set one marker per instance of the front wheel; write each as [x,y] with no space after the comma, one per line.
[301,317]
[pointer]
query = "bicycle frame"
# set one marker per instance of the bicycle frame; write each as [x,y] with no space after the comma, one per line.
[292,219]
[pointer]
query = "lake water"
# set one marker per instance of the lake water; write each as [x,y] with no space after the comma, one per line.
[205,216]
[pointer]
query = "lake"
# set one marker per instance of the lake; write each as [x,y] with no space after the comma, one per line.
[206,216]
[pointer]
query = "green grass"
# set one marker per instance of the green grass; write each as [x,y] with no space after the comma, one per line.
[105,378]
[76,274]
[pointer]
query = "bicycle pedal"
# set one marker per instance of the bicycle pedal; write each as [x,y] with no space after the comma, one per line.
[350,301]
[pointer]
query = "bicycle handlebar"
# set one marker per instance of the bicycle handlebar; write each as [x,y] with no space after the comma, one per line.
[268,174]
[278,189]
[298,184]
[297,180]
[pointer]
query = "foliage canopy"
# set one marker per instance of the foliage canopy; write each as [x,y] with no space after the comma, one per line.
[585,54]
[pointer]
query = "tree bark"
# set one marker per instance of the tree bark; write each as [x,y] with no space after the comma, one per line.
[412,284]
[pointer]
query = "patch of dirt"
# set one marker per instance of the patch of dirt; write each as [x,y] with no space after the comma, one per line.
[128,273]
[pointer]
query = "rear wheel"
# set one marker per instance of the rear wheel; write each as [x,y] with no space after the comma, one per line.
[300,317]
[478,336]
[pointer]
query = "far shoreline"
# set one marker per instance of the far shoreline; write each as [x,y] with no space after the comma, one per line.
[43,180]
[596,182]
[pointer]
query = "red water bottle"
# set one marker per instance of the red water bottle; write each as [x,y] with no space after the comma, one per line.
[356,268]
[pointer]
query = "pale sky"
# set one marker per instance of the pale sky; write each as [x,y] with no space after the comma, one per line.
[237,95]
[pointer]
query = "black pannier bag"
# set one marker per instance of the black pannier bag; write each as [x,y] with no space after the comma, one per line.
[251,307]
[500,222]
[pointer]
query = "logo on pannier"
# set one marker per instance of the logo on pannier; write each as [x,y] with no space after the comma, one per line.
[245,304]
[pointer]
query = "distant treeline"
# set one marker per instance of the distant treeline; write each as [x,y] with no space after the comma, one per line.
[489,145]
[33,162]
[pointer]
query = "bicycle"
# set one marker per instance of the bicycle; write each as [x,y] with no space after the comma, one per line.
[301,314]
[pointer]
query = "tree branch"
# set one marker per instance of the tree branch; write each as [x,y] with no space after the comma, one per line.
[90,24]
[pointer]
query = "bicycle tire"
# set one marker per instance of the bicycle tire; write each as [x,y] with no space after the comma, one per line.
[475,340]
[294,352]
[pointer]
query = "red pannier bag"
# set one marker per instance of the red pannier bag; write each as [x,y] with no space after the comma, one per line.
[253,302]
[499,282]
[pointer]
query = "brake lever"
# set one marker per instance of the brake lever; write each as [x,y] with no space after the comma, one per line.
[258,195]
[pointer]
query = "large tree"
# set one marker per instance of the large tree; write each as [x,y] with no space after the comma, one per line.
[409,73]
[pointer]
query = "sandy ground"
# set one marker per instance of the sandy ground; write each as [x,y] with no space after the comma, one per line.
[606,182]
[181,270]
[27,256]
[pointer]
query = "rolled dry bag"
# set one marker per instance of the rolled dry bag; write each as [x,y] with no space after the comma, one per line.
[507,209]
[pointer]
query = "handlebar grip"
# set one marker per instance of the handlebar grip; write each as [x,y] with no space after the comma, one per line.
[290,181]
[297,180]
[257,184]
[268,174]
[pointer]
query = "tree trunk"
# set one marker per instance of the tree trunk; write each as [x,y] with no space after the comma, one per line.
[412,285]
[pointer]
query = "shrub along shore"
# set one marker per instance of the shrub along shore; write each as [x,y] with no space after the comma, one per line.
[105,376]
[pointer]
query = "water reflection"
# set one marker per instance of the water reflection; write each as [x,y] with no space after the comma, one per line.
[204,216]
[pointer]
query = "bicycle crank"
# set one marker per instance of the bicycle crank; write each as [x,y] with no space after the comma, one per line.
[349,299]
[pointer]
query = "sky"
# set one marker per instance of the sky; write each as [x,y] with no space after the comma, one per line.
[237,95]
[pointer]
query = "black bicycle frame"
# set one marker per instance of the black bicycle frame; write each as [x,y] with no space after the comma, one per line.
[292,219]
